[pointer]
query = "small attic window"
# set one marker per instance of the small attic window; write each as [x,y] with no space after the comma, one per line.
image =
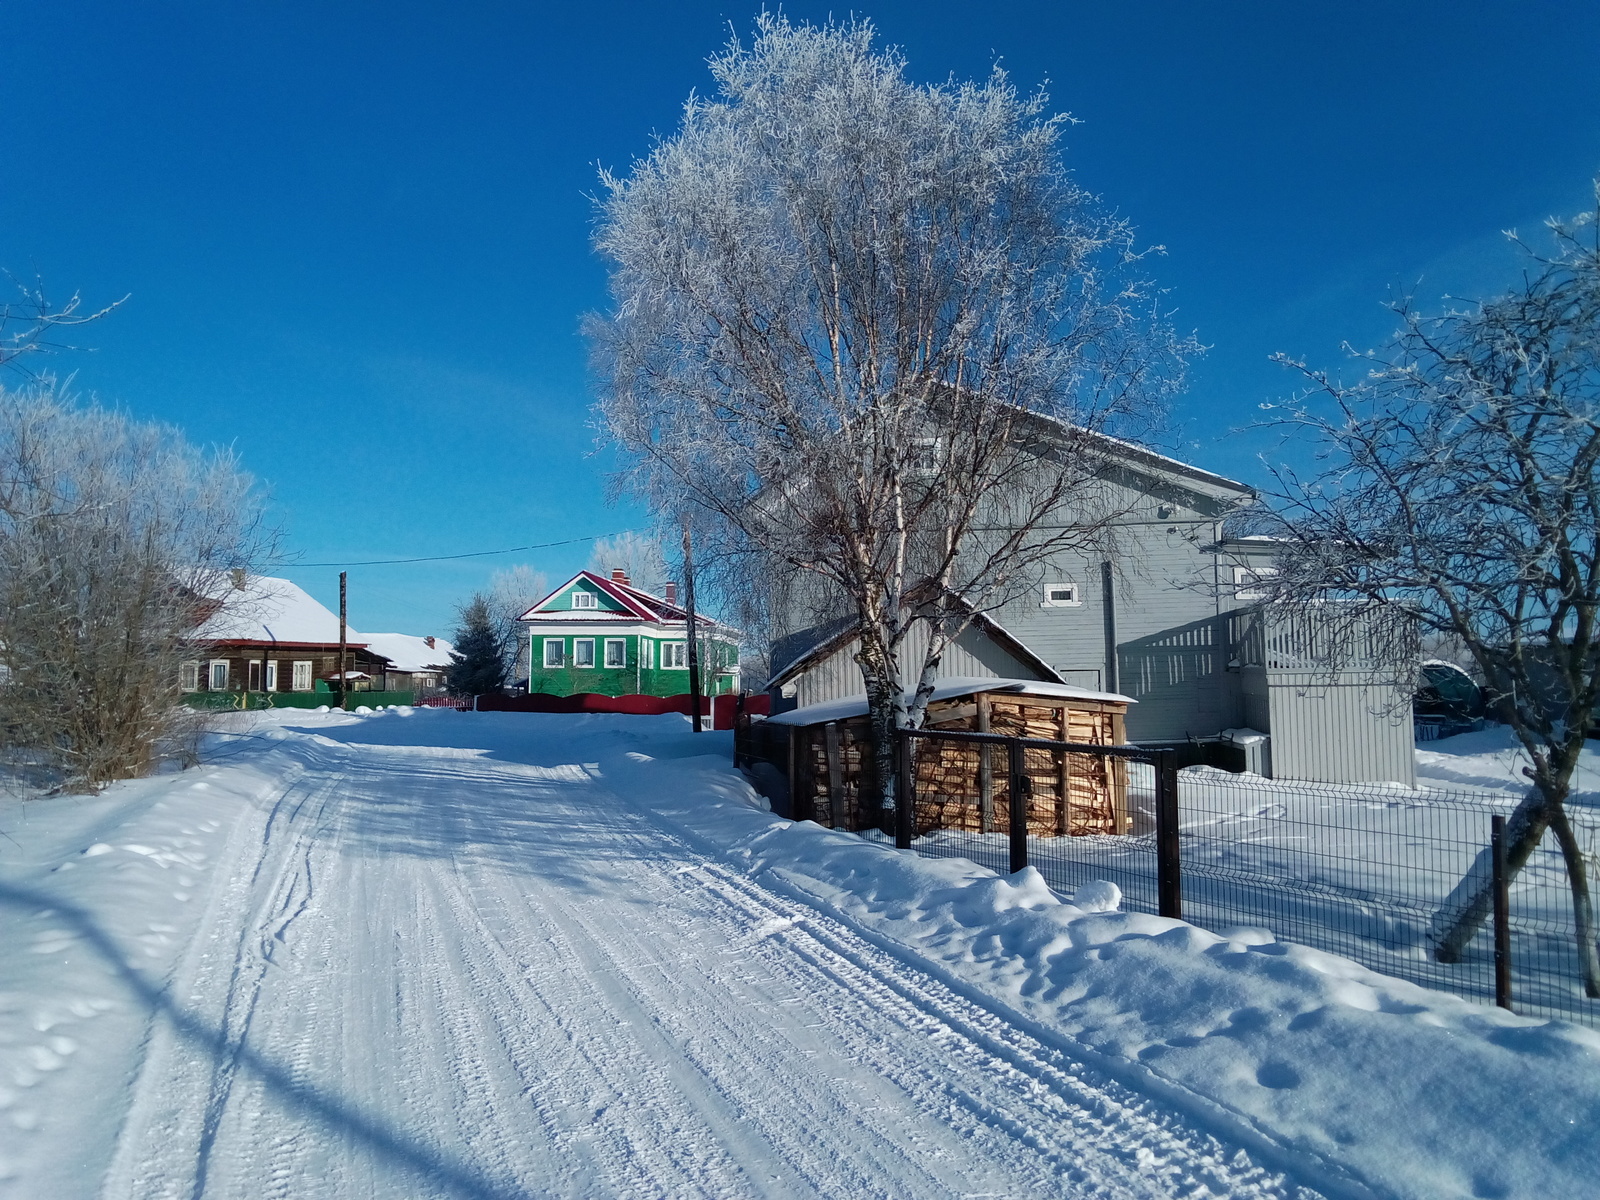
[1061,595]
[584,600]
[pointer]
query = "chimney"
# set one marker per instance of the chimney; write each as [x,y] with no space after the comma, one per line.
[672,593]
[429,640]
[618,575]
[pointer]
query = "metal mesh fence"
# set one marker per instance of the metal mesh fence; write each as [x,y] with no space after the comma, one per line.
[1364,871]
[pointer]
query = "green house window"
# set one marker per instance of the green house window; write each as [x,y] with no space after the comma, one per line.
[554,652]
[583,652]
[616,652]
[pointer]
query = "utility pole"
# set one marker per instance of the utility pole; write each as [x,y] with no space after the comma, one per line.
[688,607]
[344,671]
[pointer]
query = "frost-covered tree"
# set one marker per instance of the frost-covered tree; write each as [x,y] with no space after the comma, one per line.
[871,327]
[1459,488]
[513,592]
[117,539]
[636,553]
[31,324]
[477,664]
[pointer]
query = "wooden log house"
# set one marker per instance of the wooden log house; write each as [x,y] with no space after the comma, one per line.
[966,786]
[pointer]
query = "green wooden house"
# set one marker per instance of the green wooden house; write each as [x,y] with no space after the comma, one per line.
[594,634]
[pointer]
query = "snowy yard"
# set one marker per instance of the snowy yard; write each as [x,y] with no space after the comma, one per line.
[497,955]
[1356,869]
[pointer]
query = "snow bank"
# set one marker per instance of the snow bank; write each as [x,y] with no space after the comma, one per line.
[1411,1092]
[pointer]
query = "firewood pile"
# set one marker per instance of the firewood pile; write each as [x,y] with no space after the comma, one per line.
[962,786]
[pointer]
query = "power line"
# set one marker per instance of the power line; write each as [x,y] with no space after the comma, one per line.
[384,562]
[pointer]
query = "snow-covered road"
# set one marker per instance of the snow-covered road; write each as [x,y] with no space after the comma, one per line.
[437,972]
[505,955]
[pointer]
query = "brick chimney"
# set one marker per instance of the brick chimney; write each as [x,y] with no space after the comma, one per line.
[618,575]
[672,593]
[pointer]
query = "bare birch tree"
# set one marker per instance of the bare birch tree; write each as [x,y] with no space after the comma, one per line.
[1459,487]
[874,329]
[117,540]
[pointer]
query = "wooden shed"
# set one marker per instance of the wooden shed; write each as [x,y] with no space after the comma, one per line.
[963,785]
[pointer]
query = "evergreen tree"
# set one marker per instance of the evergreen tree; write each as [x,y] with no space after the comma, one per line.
[477,666]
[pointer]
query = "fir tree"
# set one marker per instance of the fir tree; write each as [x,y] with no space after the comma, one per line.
[477,666]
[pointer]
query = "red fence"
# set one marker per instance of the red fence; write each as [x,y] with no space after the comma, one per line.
[721,709]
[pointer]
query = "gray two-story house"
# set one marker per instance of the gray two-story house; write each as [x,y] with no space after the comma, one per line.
[1172,620]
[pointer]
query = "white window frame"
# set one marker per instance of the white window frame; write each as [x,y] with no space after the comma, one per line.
[272,674]
[583,599]
[1247,582]
[1074,597]
[674,656]
[926,455]
[621,645]
[559,645]
[189,677]
[578,646]
[300,675]
[647,654]
[217,669]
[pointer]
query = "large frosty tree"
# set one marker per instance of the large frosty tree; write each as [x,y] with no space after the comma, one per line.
[869,328]
[1459,489]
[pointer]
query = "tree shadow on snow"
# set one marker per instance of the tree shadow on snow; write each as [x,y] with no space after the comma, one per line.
[383,1141]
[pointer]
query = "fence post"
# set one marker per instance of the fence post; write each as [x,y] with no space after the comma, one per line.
[1018,804]
[1502,913]
[1169,886]
[905,793]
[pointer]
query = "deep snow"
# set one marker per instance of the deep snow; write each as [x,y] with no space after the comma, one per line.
[440,953]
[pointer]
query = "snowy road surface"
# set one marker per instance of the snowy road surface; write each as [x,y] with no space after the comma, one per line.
[436,972]
[506,955]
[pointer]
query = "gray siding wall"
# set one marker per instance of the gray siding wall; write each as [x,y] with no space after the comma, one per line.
[1172,648]
[973,654]
[1340,732]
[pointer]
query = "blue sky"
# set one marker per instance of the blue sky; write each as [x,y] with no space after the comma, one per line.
[356,235]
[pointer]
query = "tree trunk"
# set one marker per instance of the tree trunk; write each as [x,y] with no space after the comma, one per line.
[1467,906]
[884,705]
[1582,907]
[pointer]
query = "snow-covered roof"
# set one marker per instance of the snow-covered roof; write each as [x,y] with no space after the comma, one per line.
[408,652]
[946,689]
[273,610]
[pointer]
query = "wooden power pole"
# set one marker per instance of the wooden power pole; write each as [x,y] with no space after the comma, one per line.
[344,670]
[694,640]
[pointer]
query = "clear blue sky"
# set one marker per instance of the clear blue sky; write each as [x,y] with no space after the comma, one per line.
[356,235]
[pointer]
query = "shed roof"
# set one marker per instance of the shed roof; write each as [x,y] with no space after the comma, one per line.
[946,689]
[410,653]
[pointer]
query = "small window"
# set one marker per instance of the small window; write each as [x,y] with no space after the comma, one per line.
[555,652]
[218,675]
[674,656]
[583,652]
[1061,595]
[616,652]
[189,677]
[301,678]
[925,455]
[1253,583]
[647,654]
[272,675]
[584,600]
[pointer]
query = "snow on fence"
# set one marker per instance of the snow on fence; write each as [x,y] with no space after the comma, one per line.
[1357,870]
